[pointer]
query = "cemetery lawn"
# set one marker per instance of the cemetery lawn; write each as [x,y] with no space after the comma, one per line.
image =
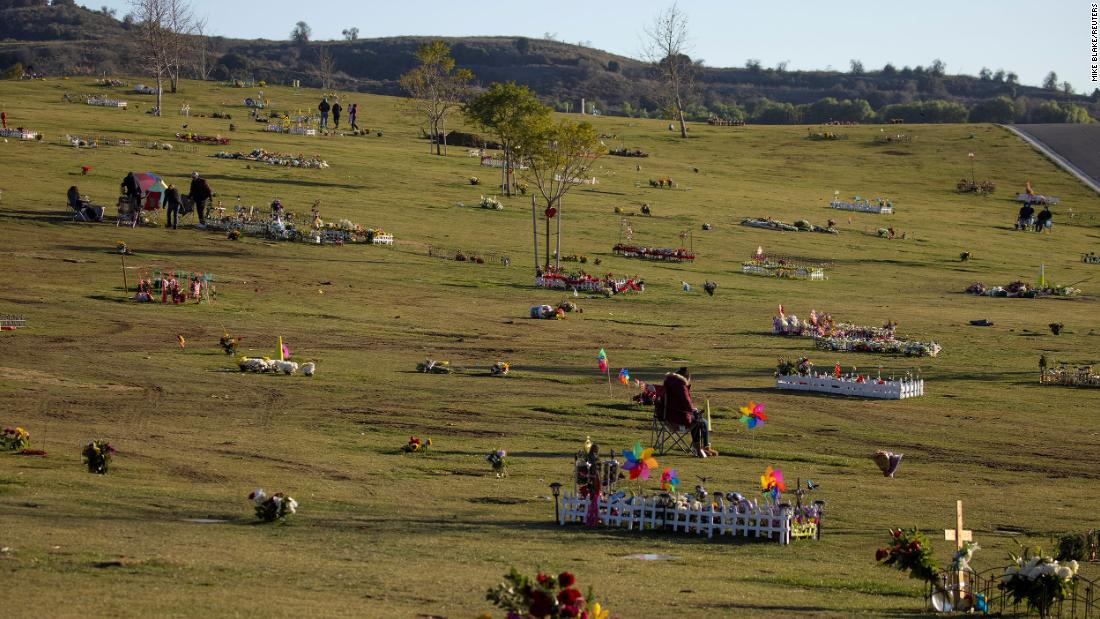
[381,534]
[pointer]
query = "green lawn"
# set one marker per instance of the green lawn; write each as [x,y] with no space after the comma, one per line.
[381,534]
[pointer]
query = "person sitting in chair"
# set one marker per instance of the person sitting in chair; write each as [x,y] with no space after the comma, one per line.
[83,207]
[679,410]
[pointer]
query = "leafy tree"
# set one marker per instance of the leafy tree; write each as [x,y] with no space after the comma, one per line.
[1011,78]
[937,68]
[999,76]
[1067,88]
[985,74]
[523,45]
[613,66]
[857,67]
[1050,82]
[351,34]
[301,33]
[557,154]
[667,40]
[889,70]
[998,110]
[505,110]
[436,88]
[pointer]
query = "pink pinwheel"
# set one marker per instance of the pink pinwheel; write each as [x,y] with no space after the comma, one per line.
[639,461]
[669,480]
[753,415]
[771,482]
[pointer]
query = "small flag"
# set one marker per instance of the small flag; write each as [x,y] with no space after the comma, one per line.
[624,376]
[601,360]
[284,352]
[183,342]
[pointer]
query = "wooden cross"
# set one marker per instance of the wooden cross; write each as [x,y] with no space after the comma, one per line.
[958,534]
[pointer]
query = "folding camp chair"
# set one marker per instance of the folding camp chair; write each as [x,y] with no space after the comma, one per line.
[665,435]
[128,212]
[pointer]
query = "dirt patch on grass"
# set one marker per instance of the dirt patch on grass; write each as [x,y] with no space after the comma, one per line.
[45,379]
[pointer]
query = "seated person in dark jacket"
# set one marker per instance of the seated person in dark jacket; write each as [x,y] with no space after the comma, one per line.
[1043,220]
[1023,220]
[81,205]
[680,411]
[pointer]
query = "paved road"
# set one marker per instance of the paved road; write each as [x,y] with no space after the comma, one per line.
[1074,147]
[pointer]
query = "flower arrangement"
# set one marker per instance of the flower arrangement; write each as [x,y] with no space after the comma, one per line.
[416,446]
[1038,580]
[801,367]
[500,368]
[228,343]
[543,596]
[491,203]
[960,561]
[271,508]
[97,456]
[15,439]
[499,460]
[909,551]
[120,247]
[475,180]
[1019,289]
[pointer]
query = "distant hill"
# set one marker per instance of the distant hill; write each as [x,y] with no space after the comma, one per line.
[66,39]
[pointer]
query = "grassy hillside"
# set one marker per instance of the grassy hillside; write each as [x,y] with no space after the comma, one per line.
[384,535]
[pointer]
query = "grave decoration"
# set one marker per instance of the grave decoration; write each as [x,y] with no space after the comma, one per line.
[431,366]
[1038,580]
[800,376]
[110,82]
[844,337]
[497,161]
[103,101]
[294,125]
[1030,197]
[83,141]
[1022,290]
[284,226]
[97,455]
[801,225]
[491,203]
[176,287]
[265,365]
[544,596]
[20,133]
[555,278]
[969,185]
[880,206]
[229,343]
[547,312]
[909,552]
[1090,258]
[201,139]
[499,461]
[825,135]
[575,180]
[1067,376]
[14,439]
[278,506]
[887,462]
[714,515]
[663,182]
[500,368]
[783,267]
[416,446]
[893,138]
[11,322]
[724,122]
[665,254]
[626,152]
[260,155]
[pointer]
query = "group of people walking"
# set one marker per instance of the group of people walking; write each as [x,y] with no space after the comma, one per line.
[1028,220]
[325,107]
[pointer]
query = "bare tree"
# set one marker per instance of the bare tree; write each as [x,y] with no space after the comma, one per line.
[665,46]
[351,34]
[180,24]
[436,88]
[204,65]
[151,17]
[326,64]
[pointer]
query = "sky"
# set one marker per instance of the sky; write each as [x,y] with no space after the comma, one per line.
[1024,36]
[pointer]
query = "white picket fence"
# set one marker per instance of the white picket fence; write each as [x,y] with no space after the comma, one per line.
[862,207]
[1090,259]
[870,388]
[743,519]
[103,102]
[796,272]
[21,134]
[382,239]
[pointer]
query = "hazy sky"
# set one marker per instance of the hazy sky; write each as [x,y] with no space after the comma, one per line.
[1025,36]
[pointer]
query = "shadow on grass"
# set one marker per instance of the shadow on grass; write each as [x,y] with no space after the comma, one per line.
[103,297]
[47,216]
[173,253]
[282,181]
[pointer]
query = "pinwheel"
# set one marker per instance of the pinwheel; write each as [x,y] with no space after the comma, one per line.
[639,461]
[753,415]
[669,480]
[624,376]
[601,361]
[771,482]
